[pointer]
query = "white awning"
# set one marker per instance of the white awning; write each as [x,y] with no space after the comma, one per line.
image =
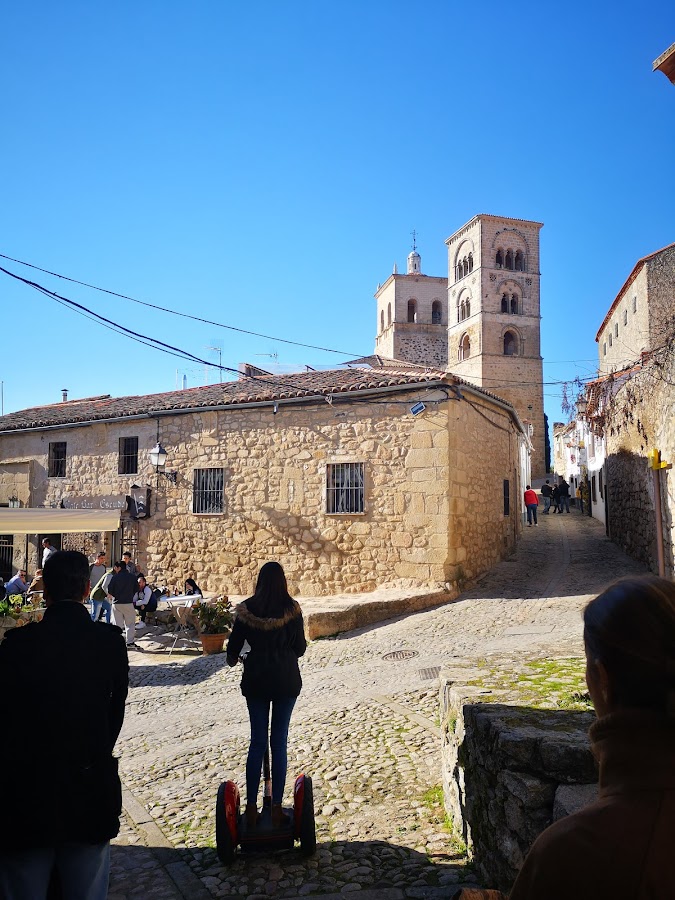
[57,521]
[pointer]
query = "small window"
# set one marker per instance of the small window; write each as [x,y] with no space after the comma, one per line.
[344,488]
[514,303]
[600,485]
[127,463]
[468,309]
[507,497]
[208,491]
[616,329]
[609,338]
[510,344]
[470,262]
[465,347]
[604,349]
[519,261]
[388,313]
[505,302]
[382,320]
[412,311]
[499,259]
[634,304]
[625,317]
[57,459]
[436,313]
[509,259]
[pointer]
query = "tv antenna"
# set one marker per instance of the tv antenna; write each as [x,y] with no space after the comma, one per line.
[219,351]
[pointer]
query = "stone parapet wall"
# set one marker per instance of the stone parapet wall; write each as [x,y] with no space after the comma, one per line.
[508,772]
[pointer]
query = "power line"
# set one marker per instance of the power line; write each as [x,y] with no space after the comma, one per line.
[175,312]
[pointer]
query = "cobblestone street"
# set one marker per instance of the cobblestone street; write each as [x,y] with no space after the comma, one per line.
[365,727]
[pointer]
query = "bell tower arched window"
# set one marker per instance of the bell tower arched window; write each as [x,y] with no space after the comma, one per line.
[505,302]
[519,261]
[499,259]
[508,262]
[514,303]
[464,347]
[510,344]
[388,313]
[436,313]
[412,310]
[470,262]
[382,320]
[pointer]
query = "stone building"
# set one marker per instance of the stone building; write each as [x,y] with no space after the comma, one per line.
[353,479]
[482,322]
[631,409]
[640,319]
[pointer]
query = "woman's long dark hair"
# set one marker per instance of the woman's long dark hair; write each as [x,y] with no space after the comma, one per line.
[630,628]
[271,598]
[192,585]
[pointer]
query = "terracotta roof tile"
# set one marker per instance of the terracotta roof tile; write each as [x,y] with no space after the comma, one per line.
[266,388]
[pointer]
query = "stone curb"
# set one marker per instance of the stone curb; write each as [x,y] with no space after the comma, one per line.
[186,882]
[328,616]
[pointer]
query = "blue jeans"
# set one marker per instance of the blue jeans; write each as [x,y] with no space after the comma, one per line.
[83,871]
[547,504]
[564,501]
[259,713]
[96,606]
[531,513]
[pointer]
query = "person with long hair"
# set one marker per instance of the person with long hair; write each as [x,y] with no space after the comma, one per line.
[272,624]
[620,846]
[192,588]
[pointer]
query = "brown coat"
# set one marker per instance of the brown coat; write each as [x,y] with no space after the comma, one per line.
[622,847]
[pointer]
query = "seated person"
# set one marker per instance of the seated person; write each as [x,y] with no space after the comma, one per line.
[36,586]
[18,584]
[620,847]
[143,598]
[191,587]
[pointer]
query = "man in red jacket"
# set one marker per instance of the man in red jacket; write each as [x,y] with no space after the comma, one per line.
[531,504]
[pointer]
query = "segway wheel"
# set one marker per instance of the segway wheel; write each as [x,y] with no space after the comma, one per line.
[307,823]
[227,816]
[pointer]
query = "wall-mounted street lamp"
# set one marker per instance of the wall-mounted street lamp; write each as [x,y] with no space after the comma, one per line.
[158,460]
[582,406]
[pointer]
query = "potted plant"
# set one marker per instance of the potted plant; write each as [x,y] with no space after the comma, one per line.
[215,621]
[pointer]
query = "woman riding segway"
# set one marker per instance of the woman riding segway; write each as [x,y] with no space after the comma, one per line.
[271,622]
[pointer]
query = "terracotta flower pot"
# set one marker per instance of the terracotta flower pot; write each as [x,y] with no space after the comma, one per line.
[212,643]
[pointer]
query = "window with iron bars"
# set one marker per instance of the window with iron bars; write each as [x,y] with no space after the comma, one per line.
[208,490]
[127,463]
[57,459]
[344,488]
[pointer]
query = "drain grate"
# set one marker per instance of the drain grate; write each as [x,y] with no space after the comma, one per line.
[428,674]
[400,654]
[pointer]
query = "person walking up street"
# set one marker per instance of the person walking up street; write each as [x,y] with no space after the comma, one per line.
[563,495]
[74,677]
[121,591]
[546,492]
[555,498]
[531,504]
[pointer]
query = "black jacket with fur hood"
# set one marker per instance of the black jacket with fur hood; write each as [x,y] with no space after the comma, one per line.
[271,670]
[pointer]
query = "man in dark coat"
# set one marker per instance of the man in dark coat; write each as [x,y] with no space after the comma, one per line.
[63,803]
[121,590]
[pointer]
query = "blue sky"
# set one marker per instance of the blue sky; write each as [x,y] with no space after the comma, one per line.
[263,165]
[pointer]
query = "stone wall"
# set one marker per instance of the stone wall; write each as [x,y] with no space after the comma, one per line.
[508,772]
[642,417]
[418,523]
[482,454]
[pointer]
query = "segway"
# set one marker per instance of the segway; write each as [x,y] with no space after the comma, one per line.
[232,829]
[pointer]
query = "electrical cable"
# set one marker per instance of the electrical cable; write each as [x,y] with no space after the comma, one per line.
[175,312]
